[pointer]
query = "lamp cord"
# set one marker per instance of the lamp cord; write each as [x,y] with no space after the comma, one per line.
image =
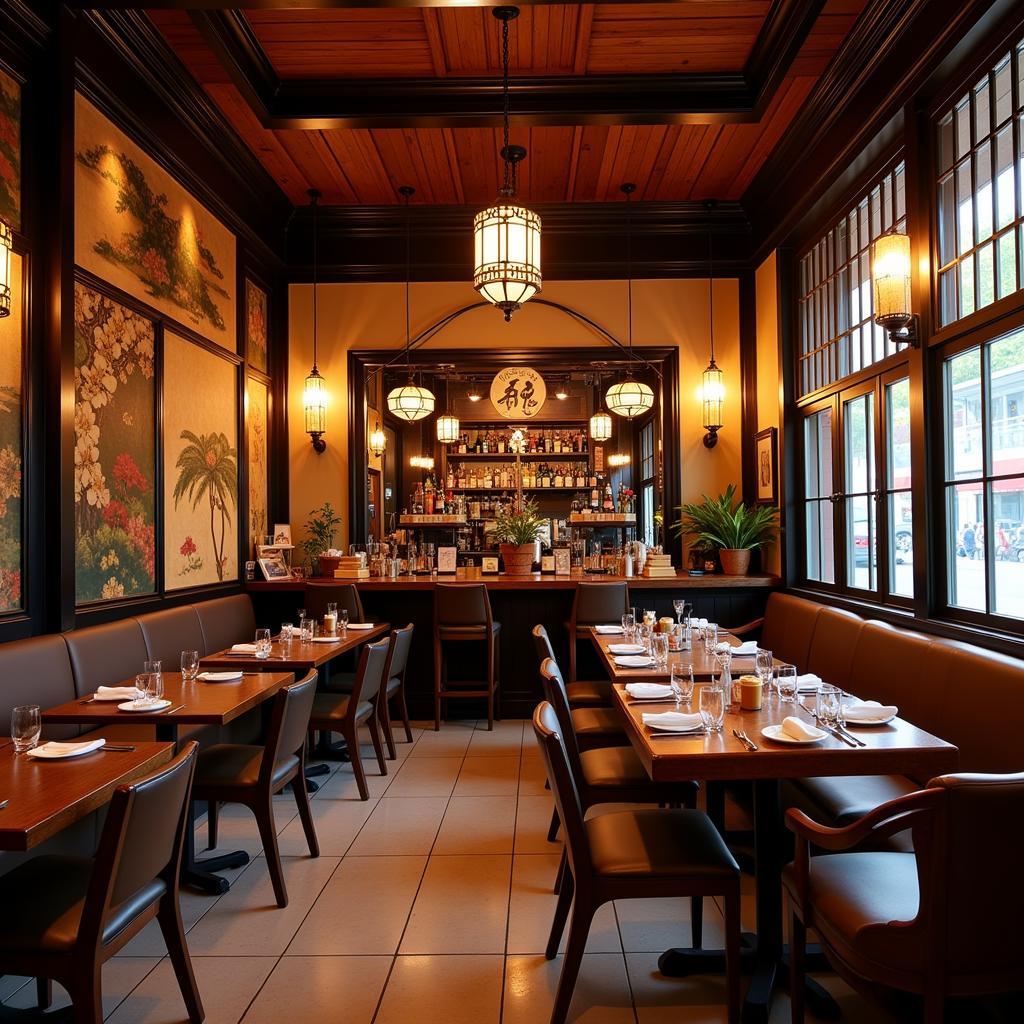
[629,272]
[508,187]
[316,233]
[408,272]
[711,291]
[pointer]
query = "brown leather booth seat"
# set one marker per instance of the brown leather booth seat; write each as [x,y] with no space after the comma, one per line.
[169,632]
[226,621]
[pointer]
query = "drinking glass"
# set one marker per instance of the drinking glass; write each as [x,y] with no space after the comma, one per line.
[343,614]
[189,666]
[26,725]
[331,619]
[682,683]
[628,627]
[150,685]
[305,630]
[262,643]
[830,702]
[785,683]
[680,606]
[286,632]
[643,637]
[764,662]
[300,615]
[659,649]
[156,668]
[711,638]
[711,704]
[650,616]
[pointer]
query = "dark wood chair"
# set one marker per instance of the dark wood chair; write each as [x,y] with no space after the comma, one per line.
[64,917]
[638,854]
[594,604]
[941,921]
[593,726]
[345,712]
[462,614]
[241,773]
[394,690]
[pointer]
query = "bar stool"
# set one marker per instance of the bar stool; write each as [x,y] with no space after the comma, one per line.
[462,613]
[595,604]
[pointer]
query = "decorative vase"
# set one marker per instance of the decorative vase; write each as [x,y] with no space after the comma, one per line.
[327,565]
[735,561]
[518,558]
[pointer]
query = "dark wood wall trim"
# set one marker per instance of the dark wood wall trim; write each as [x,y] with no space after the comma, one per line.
[748,382]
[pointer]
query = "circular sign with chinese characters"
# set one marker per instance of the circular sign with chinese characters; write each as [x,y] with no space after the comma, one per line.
[518,393]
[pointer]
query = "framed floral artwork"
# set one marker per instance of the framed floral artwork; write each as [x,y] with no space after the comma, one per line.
[10,150]
[200,461]
[137,228]
[255,326]
[115,450]
[12,346]
[257,400]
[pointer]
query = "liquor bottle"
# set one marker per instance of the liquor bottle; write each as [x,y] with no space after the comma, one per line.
[501,444]
[609,504]
[488,479]
[439,502]
[449,479]
[595,500]
[463,443]
[559,476]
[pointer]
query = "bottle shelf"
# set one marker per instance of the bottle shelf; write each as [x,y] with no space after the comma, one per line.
[508,490]
[510,457]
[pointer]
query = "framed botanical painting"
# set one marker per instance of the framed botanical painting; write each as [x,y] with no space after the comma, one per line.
[115,450]
[10,151]
[255,326]
[766,466]
[200,460]
[137,228]
[256,400]
[12,347]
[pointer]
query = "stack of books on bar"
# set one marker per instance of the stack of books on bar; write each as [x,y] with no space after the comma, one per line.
[658,566]
[351,567]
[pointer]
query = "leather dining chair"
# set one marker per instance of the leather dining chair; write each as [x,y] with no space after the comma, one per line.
[64,917]
[344,595]
[594,604]
[345,712]
[462,614]
[594,726]
[940,921]
[242,773]
[630,854]
[394,689]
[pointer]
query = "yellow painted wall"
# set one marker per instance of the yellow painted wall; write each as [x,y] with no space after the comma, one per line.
[769,384]
[373,316]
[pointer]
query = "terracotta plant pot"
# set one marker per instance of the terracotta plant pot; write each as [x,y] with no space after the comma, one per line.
[735,561]
[328,563]
[518,558]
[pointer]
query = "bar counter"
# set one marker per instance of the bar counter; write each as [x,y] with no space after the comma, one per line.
[518,603]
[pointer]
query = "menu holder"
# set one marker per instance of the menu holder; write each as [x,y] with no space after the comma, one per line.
[447,561]
[563,563]
[489,566]
[547,564]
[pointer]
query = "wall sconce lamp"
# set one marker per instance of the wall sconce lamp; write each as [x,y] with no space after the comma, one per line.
[378,441]
[890,280]
[619,459]
[6,245]
[314,395]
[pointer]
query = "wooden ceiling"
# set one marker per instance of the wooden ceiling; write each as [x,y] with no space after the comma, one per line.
[697,157]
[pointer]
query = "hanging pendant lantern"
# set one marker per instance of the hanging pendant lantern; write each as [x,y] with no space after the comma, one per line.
[713,382]
[506,236]
[314,394]
[448,424]
[600,426]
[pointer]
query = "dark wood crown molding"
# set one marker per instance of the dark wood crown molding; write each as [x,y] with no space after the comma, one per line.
[537,100]
[22,29]
[581,241]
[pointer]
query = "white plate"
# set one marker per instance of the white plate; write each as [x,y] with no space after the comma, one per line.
[774,732]
[362,625]
[327,639]
[868,723]
[626,648]
[634,661]
[220,677]
[608,630]
[62,751]
[136,705]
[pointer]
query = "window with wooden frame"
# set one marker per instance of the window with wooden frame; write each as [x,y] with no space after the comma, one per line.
[648,471]
[838,336]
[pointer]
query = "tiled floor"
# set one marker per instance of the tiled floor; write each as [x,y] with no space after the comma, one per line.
[429,903]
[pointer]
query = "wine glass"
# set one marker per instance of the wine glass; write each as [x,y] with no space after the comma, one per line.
[26,725]
[764,662]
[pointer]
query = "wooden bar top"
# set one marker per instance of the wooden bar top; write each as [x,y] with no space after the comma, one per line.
[296,656]
[47,796]
[898,748]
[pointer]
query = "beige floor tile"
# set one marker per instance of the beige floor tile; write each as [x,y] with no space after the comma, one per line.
[227,985]
[247,922]
[532,775]
[650,926]
[363,909]
[443,990]
[337,824]
[341,785]
[120,976]
[601,994]
[532,819]
[505,739]
[433,776]
[402,826]
[532,907]
[462,906]
[477,824]
[339,989]
[698,999]
[452,739]
[237,828]
[488,776]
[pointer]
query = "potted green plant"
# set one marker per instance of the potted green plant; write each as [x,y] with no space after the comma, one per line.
[517,532]
[730,526]
[321,526]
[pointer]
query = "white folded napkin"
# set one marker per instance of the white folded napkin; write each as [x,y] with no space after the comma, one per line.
[800,730]
[361,625]
[243,648]
[808,682]
[648,691]
[55,749]
[700,623]
[869,711]
[608,630]
[747,649]
[115,693]
[672,720]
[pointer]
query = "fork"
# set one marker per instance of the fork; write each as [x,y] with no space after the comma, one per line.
[744,739]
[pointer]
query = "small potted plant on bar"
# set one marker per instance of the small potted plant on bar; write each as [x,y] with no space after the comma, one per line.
[729,525]
[320,529]
[517,531]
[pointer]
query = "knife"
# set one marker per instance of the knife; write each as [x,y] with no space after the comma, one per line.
[848,740]
[111,746]
[170,711]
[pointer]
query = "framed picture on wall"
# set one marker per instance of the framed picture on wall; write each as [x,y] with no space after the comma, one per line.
[766,466]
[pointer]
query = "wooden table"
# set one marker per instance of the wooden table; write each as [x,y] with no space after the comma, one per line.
[897,748]
[191,704]
[48,796]
[704,665]
[295,656]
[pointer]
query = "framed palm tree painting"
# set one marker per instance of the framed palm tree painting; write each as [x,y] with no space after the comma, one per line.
[12,344]
[200,465]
